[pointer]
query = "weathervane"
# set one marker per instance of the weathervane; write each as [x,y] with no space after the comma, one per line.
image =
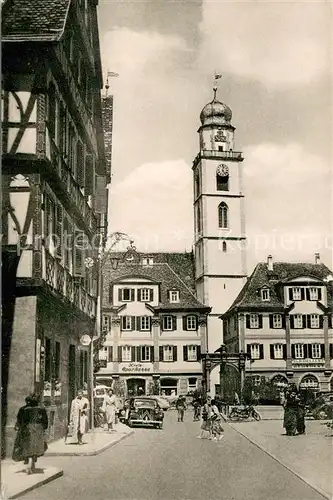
[217,76]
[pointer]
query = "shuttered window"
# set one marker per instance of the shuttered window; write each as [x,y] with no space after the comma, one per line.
[79,246]
[169,323]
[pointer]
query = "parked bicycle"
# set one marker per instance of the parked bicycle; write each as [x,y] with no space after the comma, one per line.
[249,411]
[99,418]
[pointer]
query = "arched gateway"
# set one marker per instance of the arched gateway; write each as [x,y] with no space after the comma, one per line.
[232,371]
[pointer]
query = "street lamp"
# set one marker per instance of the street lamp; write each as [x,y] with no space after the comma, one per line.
[130,255]
[242,361]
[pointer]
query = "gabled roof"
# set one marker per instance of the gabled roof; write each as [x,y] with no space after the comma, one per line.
[164,271]
[34,20]
[249,296]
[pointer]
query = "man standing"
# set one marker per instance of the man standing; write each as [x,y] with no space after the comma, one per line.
[181,407]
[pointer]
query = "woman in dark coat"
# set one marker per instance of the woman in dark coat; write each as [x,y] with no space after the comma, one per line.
[291,406]
[31,423]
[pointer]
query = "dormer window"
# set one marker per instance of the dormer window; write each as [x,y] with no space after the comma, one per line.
[174,296]
[150,261]
[296,293]
[313,293]
[265,294]
[144,262]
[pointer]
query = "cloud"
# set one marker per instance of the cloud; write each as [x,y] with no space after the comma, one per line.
[281,44]
[288,197]
[287,200]
[153,204]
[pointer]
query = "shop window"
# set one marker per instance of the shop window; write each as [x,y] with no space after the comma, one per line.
[169,387]
[192,384]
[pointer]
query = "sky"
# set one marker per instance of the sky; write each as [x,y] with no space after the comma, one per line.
[276,62]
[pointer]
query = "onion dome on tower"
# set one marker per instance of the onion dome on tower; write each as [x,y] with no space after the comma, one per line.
[216,113]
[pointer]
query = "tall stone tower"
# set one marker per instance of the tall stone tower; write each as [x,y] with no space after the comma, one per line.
[219,221]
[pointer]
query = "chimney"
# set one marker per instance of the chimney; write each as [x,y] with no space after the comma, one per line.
[317,258]
[270,263]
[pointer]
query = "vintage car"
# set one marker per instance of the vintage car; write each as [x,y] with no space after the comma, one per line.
[144,411]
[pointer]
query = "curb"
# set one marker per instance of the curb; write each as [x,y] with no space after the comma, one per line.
[89,453]
[316,488]
[56,475]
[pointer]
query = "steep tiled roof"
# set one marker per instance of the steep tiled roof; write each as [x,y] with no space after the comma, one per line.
[250,297]
[163,271]
[34,20]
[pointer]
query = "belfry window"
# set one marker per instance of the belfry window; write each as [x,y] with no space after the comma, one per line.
[223,215]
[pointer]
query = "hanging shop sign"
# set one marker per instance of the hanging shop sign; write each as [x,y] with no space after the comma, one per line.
[136,368]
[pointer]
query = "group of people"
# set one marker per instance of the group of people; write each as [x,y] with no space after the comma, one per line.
[294,412]
[211,427]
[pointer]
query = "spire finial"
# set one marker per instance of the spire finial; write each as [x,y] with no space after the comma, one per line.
[217,76]
[214,90]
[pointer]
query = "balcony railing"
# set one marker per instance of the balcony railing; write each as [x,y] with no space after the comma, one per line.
[308,362]
[223,155]
[61,281]
[72,189]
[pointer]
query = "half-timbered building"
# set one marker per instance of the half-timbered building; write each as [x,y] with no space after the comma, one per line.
[54,200]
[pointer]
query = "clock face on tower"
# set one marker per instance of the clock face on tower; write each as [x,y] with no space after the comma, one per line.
[222,170]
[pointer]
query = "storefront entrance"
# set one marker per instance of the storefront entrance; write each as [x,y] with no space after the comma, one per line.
[169,386]
[136,386]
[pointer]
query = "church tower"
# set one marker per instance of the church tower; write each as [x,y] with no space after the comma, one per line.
[219,219]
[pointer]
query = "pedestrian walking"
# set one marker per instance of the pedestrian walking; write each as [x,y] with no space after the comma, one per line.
[181,407]
[31,423]
[79,416]
[300,421]
[197,410]
[206,427]
[215,422]
[110,408]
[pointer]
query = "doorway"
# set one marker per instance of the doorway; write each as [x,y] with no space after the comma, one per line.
[136,386]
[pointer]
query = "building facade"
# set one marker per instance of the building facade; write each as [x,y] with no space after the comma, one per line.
[282,318]
[219,216]
[54,201]
[155,327]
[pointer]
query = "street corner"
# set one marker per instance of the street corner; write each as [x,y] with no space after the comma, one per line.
[15,482]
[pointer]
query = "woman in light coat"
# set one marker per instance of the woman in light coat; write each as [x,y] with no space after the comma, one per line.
[79,415]
[109,407]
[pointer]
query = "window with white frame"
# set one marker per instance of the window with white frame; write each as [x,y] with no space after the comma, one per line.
[145,294]
[126,323]
[298,321]
[255,351]
[316,351]
[192,383]
[145,353]
[191,322]
[167,323]
[296,293]
[168,353]
[265,294]
[254,321]
[145,323]
[103,354]
[299,351]
[278,351]
[174,296]
[126,353]
[191,353]
[313,293]
[277,321]
[314,320]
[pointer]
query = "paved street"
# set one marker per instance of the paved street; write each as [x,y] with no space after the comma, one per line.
[173,464]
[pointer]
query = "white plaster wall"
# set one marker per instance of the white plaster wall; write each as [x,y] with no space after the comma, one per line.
[222,292]
[224,263]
